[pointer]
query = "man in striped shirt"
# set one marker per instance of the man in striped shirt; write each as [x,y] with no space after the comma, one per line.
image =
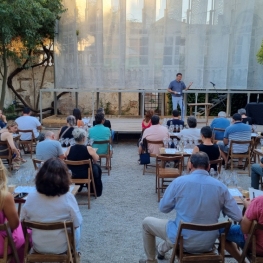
[238,131]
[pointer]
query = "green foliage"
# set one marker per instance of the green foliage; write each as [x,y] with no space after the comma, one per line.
[260,54]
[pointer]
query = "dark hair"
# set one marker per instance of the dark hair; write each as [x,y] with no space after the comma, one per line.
[99,117]
[77,114]
[176,113]
[191,121]
[237,117]
[206,131]
[100,110]
[26,110]
[200,160]
[53,178]
[148,115]
[179,74]
[155,120]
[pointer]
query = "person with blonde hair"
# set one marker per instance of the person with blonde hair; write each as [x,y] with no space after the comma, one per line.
[6,134]
[9,213]
[146,122]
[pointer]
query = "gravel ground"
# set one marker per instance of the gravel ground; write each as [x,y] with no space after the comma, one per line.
[111,230]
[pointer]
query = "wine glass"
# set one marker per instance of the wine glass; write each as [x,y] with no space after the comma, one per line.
[165,143]
[170,141]
[61,140]
[91,142]
[176,128]
[66,141]
[181,127]
[254,127]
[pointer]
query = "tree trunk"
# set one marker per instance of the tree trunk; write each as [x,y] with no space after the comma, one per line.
[2,101]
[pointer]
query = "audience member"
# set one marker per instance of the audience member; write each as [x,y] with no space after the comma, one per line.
[3,120]
[146,123]
[8,213]
[79,152]
[65,132]
[256,174]
[156,132]
[245,119]
[27,122]
[212,150]
[202,193]
[238,132]
[221,123]
[237,234]
[176,119]
[192,133]
[100,133]
[49,148]
[77,115]
[6,134]
[52,202]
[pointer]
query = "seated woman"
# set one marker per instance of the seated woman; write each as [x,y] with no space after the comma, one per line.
[52,202]
[212,150]
[245,118]
[9,213]
[6,134]
[77,115]
[146,123]
[65,132]
[79,152]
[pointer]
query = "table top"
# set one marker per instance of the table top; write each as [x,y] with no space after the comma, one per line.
[172,151]
[258,151]
[200,104]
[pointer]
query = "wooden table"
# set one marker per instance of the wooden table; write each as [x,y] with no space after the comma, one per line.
[21,201]
[207,108]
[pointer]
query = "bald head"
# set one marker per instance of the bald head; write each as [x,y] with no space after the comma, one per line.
[50,135]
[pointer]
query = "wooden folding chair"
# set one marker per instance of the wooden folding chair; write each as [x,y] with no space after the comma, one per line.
[37,163]
[210,256]
[107,155]
[249,250]
[38,257]
[231,155]
[218,163]
[151,154]
[163,173]
[6,154]
[8,243]
[87,181]
[29,144]
[214,134]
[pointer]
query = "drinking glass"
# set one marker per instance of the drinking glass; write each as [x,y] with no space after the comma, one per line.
[181,127]
[175,141]
[254,127]
[66,142]
[61,140]
[176,128]
[170,141]
[165,143]
[91,142]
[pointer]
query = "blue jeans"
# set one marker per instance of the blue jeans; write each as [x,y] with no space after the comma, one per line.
[176,101]
[256,172]
[112,135]
[2,124]
[77,238]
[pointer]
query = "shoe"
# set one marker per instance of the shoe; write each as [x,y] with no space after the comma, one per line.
[80,188]
[160,256]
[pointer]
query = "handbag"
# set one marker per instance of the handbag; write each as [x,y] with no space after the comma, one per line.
[145,157]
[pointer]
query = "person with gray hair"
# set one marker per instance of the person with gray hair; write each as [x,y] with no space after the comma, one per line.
[192,133]
[221,123]
[245,118]
[49,148]
[65,132]
[202,193]
[79,152]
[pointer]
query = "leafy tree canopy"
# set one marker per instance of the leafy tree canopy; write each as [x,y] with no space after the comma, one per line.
[260,54]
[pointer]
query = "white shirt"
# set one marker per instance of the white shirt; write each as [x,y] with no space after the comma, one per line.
[28,123]
[190,134]
[48,209]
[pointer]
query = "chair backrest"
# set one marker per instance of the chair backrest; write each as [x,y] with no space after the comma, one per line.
[33,139]
[236,147]
[178,246]
[9,242]
[107,142]
[5,150]
[251,240]
[217,131]
[162,159]
[49,227]
[218,162]
[37,163]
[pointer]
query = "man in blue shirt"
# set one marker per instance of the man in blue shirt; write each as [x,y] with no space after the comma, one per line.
[222,123]
[197,198]
[176,88]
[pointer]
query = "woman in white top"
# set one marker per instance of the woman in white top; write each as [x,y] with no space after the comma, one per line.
[52,202]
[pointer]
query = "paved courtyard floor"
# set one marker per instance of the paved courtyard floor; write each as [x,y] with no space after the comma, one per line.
[111,230]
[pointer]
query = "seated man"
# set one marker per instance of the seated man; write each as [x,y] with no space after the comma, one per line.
[175,120]
[256,173]
[27,122]
[192,196]
[238,132]
[192,133]
[156,132]
[245,119]
[100,133]
[106,123]
[222,123]
[237,233]
[49,148]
